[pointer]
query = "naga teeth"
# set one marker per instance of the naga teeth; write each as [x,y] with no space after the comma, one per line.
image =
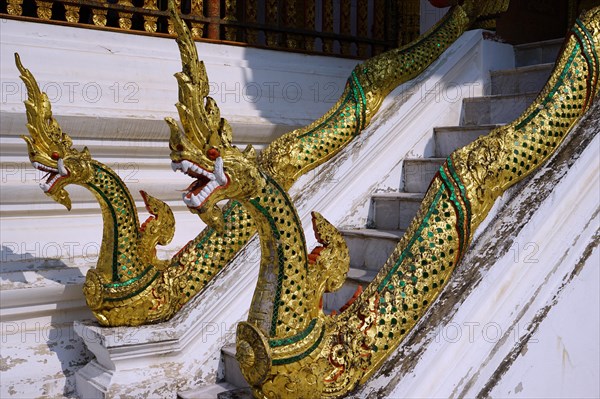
[61,168]
[44,168]
[215,179]
[218,175]
[185,165]
[47,186]
[194,201]
[219,172]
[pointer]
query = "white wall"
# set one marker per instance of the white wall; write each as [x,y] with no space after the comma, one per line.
[111,91]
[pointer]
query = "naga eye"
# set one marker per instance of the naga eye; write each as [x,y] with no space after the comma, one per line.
[213,154]
[179,147]
[55,155]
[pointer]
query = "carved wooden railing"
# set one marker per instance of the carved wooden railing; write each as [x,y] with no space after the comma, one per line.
[352,28]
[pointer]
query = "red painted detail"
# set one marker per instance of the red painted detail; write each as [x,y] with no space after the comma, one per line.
[357,293]
[213,154]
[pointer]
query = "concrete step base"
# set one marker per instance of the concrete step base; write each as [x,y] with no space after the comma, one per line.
[207,392]
[394,211]
[529,79]
[538,52]
[495,109]
[370,248]
[233,374]
[450,138]
[334,301]
[418,173]
[241,393]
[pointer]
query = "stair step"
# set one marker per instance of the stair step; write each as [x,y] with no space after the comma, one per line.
[528,79]
[233,374]
[240,393]
[356,276]
[450,138]
[370,248]
[495,109]
[207,392]
[538,52]
[418,173]
[394,211]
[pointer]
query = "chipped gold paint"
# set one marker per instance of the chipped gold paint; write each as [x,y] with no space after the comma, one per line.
[129,285]
[352,345]
[289,348]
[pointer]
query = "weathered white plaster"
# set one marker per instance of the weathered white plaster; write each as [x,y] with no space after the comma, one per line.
[528,325]
[564,357]
[400,128]
[129,78]
[111,91]
[184,352]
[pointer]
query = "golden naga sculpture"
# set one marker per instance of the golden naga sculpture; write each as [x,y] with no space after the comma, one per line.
[130,286]
[289,348]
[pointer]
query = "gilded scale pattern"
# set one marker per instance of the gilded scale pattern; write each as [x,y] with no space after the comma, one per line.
[331,355]
[288,348]
[295,153]
[130,288]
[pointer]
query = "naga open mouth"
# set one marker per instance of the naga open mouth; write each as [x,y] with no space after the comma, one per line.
[206,182]
[53,175]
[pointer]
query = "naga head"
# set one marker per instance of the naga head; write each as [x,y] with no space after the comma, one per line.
[50,150]
[203,150]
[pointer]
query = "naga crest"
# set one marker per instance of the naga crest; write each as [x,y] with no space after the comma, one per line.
[203,150]
[50,150]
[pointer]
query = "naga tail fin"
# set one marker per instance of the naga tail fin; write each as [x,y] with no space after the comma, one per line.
[159,228]
[331,259]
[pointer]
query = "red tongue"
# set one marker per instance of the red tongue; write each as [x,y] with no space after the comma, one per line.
[191,186]
[195,187]
[48,176]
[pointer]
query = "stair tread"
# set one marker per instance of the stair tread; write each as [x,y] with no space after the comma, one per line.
[239,393]
[228,349]
[209,391]
[468,128]
[499,97]
[399,195]
[428,159]
[361,275]
[374,233]
[524,69]
[541,43]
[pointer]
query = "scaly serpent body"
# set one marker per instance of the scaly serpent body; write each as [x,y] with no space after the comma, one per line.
[300,151]
[129,288]
[323,356]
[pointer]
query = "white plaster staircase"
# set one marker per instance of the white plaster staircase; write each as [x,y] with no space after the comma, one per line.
[511,92]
